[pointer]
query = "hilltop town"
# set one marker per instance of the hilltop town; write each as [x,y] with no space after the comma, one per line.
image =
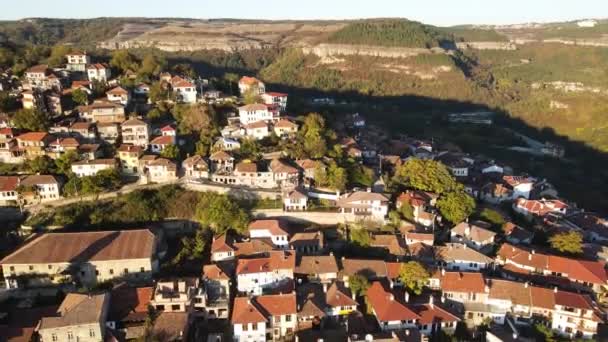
[294,226]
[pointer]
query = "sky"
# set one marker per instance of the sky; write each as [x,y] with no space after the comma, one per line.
[436,12]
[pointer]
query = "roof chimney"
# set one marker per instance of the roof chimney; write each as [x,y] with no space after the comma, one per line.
[555,289]
[392,297]
[431,302]
[443,271]
[324,287]
[407,297]
[529,256]
[526,284]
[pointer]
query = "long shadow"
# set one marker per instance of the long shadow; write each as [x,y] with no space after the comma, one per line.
[95,248]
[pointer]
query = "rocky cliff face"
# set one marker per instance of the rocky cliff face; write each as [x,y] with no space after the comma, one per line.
[327,50]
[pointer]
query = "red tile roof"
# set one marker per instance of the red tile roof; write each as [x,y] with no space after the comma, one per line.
[280,304]
[386,306]
[275,227]
[213,271]
[244,312]
[8,183]
[339,295]
[33,136]
[163,140]
[117,91]
[467,282]
[249,80]
[221,244]
[275,261]
[430,314]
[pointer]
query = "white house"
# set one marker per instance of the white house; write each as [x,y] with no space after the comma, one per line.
[295,200]
[77,61]
[276,99]
[196,167]
[246,83]
[119,95]
[85,168]
[521,186]
[255,275]
[41,188]
[99,72]
[473,235]
[158,144]
[272,229]
[253,113]
[8,189]
[257,130]
[227,144]
[365,204]
[162,170]
[539,208]
[185,90]
[248,322]
[282,312]
[456,256]
[135,132]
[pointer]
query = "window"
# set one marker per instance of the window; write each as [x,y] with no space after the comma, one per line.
[126,271]
[111,271]
[287,318]
[277,319]
[254,326]
[31,268]
[141,269]
[54,337]
[70,335]
[245,327]
[12,268]
[175,307]
[92,332]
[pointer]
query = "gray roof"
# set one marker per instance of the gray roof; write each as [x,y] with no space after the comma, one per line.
[77,309]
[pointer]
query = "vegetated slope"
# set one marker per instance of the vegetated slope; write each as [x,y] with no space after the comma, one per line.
[60,31]
[471,34]
[391,32]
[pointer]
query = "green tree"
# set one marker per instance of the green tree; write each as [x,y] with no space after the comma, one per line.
[152,66]
[358,284]
[154,114]
[170,152]
[31,120]
[108,179]
[7,102]
[159,92]
[414,276]
[568,242]
[220,213]
[231,79]
[250,149]
[64,163]
[313,134]
[543,333]
[185,69]
[57,57]
[42,165]
[360,175]
[360,236]
[252,95]
[426,175]
[456,206]
[407,211]
[124,61]
[492,216]
[80,97]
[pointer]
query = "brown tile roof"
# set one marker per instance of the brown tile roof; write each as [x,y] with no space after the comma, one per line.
[316,264]
[38,68]
[130,148]
[279,304]
[249,80]
[32,136]
[387,306]
[221,243]
[306,238]
[8,183]
[514,181]
[306,164]
[81,125]
[339,295]
[85,246]
[215,272]
[39,179]
[285,123]
[170,165]
[456,251]
[274,226]
[279,166]
[361,196]
[517,293]
[117,91]
[393,269]
[391,242]
[296,194]
[220,155]
[129,303]
[275,261]
[367,267]
[430,314]
[246,167]
[65,142]
[542,297]
[106,161]
[195,160]
[253,107]
[86,148]
[473,232]
[244,312]
[134,122]
[171,325]
[256,124]
[77,309]
[254,246]
[163,140]
[468,282]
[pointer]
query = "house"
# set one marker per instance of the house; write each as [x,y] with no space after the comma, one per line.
[389,243]
[246,83]
[594,227]
[184,90]
[309,167]
[135,132]
[77,61]
[253,247]
[459,257]
[162,170]
[581,274]
[257,130]
[34,144]
[158,144]
[539,208]
[472,235]
[80,317]
[412,237]
[174,295]
[142,89]
[520,186]
[248,322]
[62,145]
[9,150]
[196,167]
[295,200]
[421,203]
[227,144]
[129,158]
[253,113]
[317,268]
[259,274]
[221,162]
[8,190]
[362,203]
[391,312]
[92,257]
[281,310]
[83,130]
[168,131]
[119,95]
[272,229]
[99,72]
[460,287]
[102,111]
[41,77]
[32,100]
[84,168]
[284,127]
[89,151]
[222,248]
[575,315]
[216,284]
[40,188]
[516,234]
[171,326]
[108,131]
[496,193]
[275,99]
[284,175]
[129,309]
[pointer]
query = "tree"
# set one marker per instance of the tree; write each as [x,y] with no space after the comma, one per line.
[360,175]
[31,120]
[568,242]
[184,69]
[456,206]
[42,165]
[426,175]
[358,284]
[360,236]
[407,211]
[123,61]
[200,119]
[219,213]
[64,163]
[108,179]
[252,95]
[231,79]
[7,102]
[492,216]
[57,56]
[543,333]
[152,66]
[414,276]
[250,149]
[80,96]
[336,177]
[170,152]
[159,92]
[313,135]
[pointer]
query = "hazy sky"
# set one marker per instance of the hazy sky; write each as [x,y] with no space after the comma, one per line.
[437,12]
